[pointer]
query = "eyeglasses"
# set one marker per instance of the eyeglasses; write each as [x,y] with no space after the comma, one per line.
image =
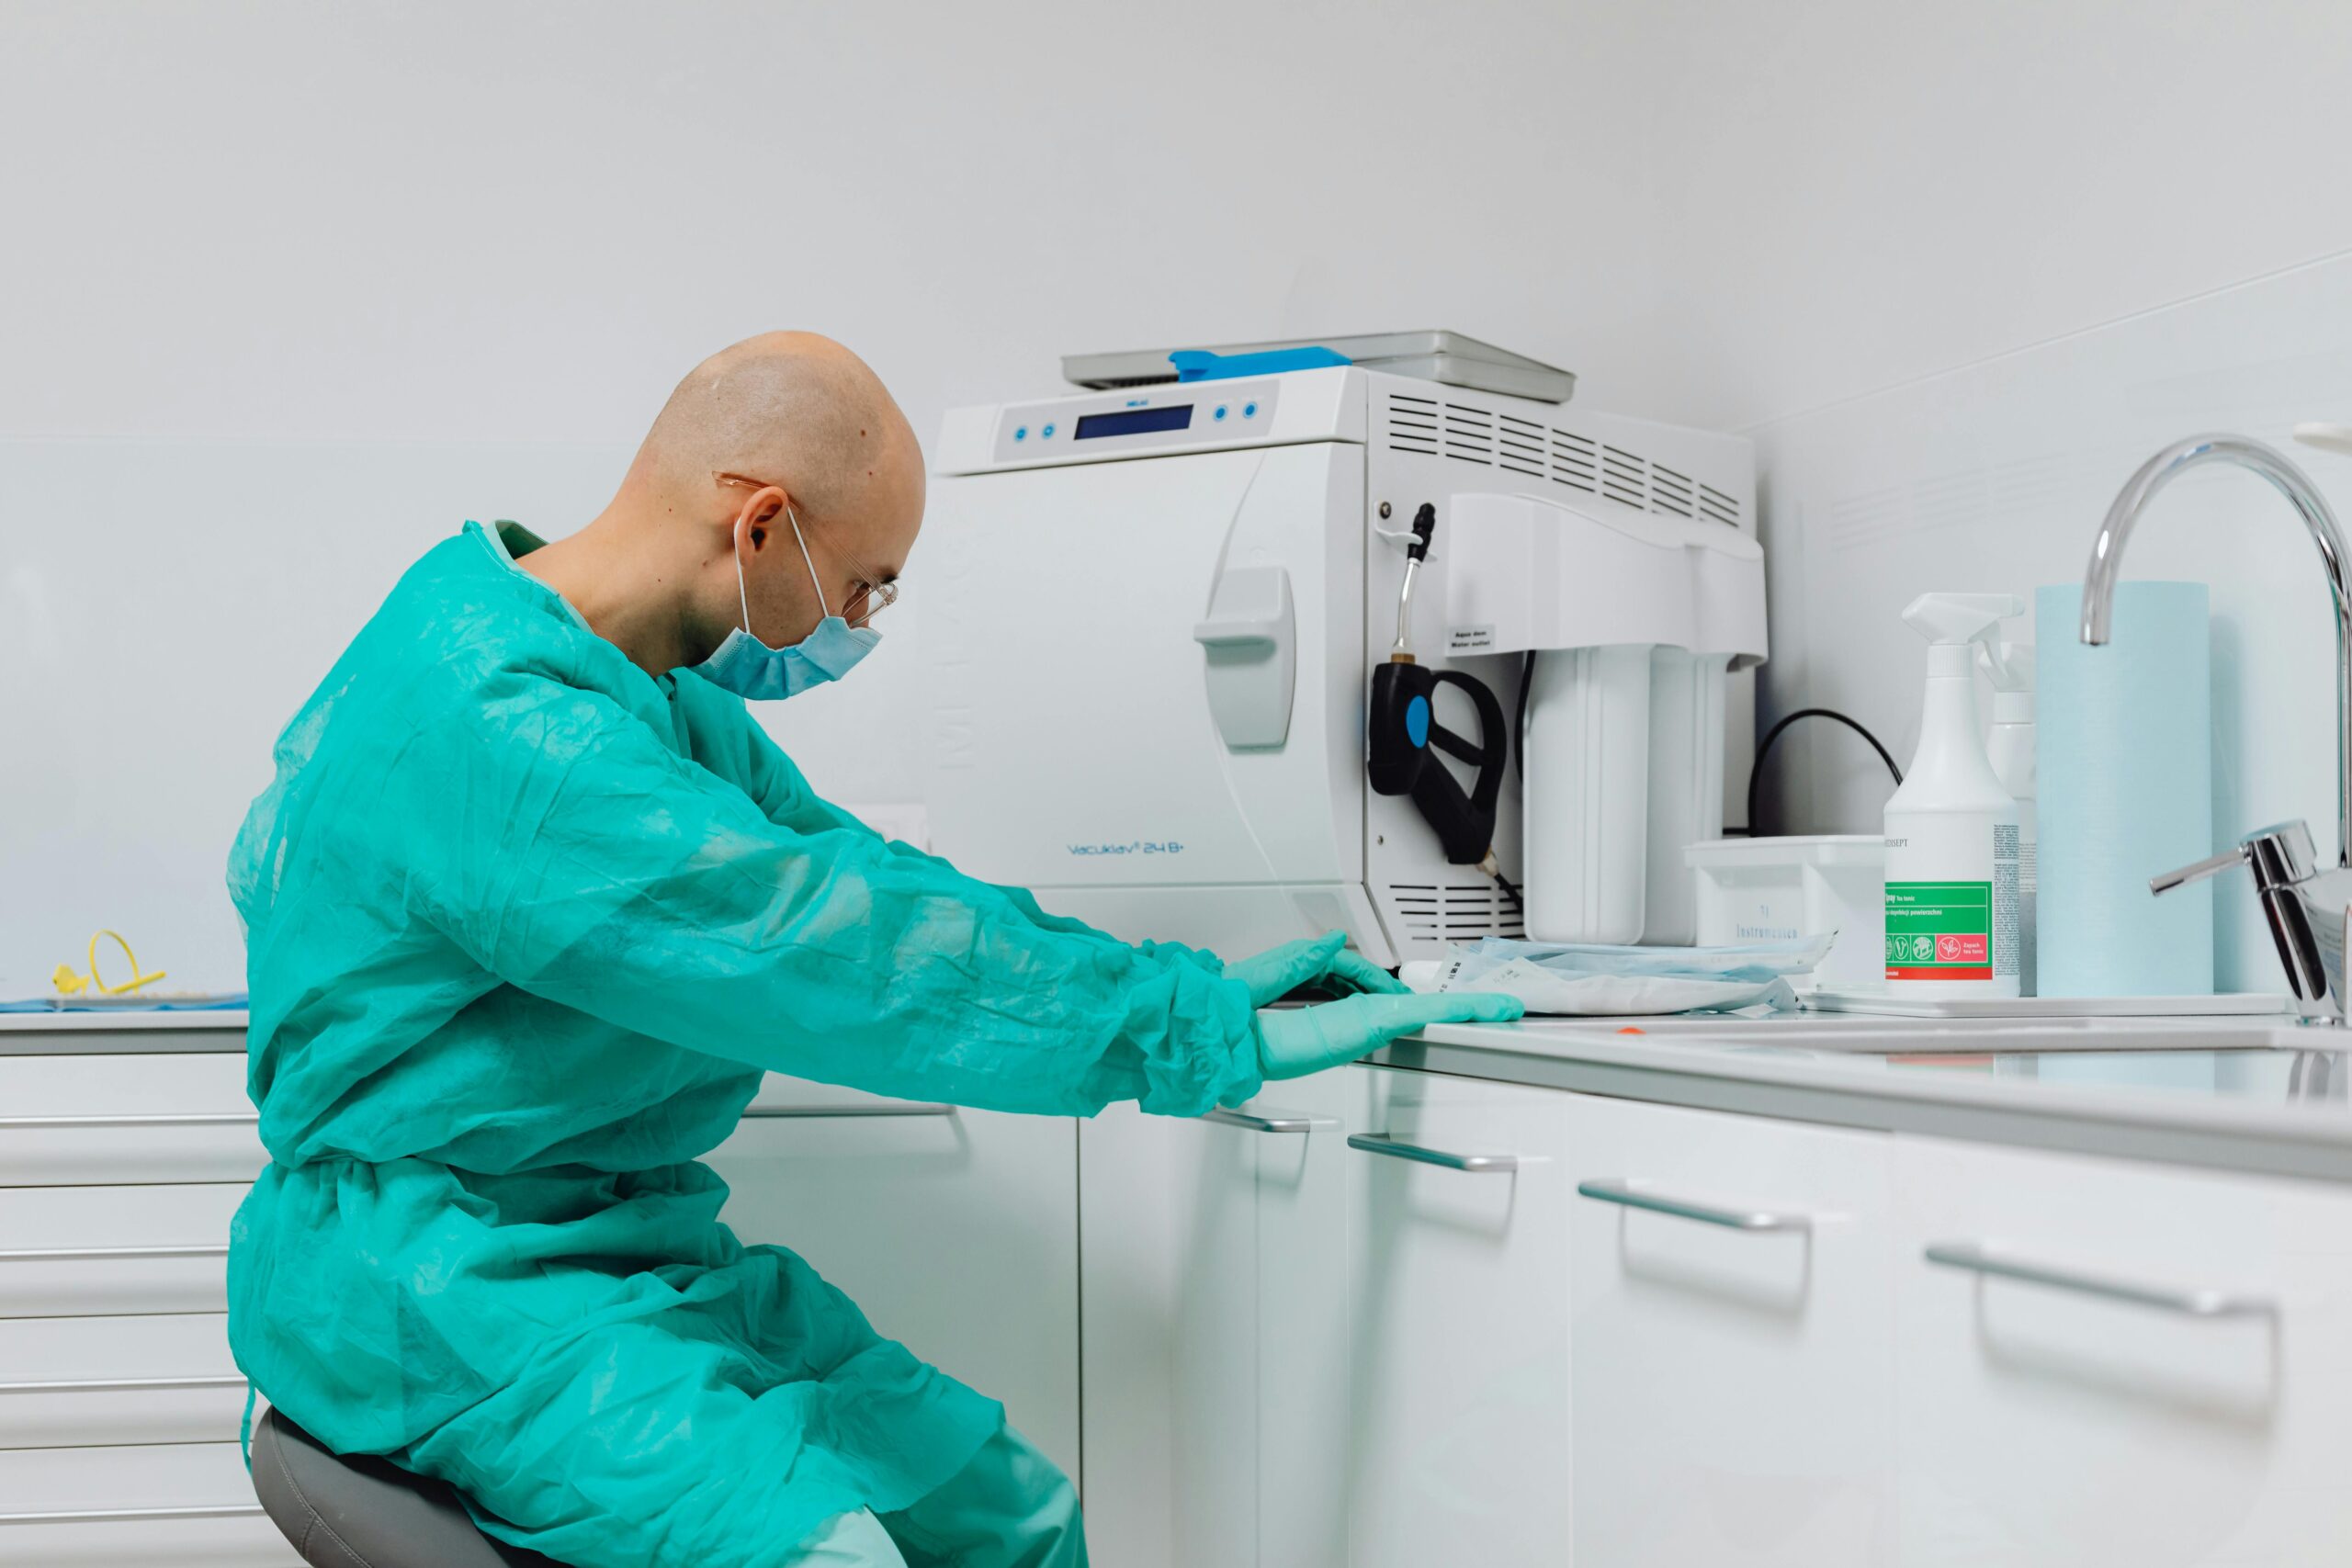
[870,592]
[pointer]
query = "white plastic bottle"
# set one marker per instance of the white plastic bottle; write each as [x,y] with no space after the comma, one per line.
[1951,830]
[2009,748]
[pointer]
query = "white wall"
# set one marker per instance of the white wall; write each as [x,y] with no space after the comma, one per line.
[1994,256]
[294,288]
[1858,192]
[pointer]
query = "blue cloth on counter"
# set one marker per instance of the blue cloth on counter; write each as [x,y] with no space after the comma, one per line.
[223,1001]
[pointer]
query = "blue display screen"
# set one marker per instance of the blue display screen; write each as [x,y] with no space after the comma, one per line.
[1135,422]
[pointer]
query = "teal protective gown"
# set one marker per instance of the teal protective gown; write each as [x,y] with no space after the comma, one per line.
[525,925]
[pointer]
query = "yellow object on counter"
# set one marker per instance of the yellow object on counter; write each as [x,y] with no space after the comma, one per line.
[71,982]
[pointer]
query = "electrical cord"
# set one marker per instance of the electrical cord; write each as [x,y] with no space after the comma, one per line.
[1764,746]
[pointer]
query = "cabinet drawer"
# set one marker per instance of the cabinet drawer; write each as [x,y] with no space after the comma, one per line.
[2171,1381]
[185,1505]
[1457,1201]
[1732,1336]
[76,1251]
[163,1377]
[82,1121]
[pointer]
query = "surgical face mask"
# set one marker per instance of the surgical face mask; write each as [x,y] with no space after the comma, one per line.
[750,668]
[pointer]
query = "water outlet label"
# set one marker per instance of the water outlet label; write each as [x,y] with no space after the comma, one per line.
[1940,931]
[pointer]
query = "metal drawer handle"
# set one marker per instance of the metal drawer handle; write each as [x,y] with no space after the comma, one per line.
[108,1253]
[1382,1143]
[1616,1190]
[187,1119]
[1266,1121]
[136,1515]
[2187,1301]
[121,1386]
[893,1108]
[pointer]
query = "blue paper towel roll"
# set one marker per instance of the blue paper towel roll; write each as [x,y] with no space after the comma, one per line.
[2125,735]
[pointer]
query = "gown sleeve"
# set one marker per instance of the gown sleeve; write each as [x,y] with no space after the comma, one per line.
[571,853]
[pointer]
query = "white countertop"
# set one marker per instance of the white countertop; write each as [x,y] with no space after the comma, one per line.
[2256,1095]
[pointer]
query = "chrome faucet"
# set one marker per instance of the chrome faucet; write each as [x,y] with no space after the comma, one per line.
[2307,909]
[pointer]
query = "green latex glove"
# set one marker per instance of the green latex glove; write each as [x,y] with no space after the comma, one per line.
[1323,959]
[1296,1041]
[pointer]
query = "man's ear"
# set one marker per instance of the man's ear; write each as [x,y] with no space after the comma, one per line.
[759,512]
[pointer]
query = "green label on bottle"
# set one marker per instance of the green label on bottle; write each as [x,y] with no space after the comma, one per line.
[1939,930]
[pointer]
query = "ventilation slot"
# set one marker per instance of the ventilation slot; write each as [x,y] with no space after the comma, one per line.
[1575,462]
[1669,491]
[1622,477]
[1469,433]
[1412,424]
[1461,911]
[1717,507]
[1521,449]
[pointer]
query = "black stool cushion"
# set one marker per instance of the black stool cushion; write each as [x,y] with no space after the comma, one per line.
[364,1512]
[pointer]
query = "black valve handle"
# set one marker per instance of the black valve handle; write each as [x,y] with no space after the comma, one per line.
[1403,728]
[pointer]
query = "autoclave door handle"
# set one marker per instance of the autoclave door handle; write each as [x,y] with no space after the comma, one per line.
[1250,655]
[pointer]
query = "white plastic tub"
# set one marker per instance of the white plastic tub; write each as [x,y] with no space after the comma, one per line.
[1759,889]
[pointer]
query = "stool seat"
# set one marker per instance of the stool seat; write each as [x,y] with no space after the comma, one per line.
[364,1512]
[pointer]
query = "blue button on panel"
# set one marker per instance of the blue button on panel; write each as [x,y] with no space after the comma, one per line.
[1047,433]
[1249,411]
[1021,433]
[1220,412]
[1417,721]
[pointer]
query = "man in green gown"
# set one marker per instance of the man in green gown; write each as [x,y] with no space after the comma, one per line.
[532,903]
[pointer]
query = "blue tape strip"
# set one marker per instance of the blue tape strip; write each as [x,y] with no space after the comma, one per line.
[1199,364]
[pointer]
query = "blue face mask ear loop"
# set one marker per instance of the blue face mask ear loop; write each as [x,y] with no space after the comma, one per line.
[814,581]
[744,594]
[246,1428]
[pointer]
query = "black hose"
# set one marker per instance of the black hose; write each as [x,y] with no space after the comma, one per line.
[1763,747]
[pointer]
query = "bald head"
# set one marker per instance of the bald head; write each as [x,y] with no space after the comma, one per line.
[794,410]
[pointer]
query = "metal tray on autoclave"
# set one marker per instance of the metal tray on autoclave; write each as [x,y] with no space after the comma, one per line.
[1449,358]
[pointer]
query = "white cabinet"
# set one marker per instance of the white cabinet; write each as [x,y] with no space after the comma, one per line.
[72,1251]
[956,1231]
[85,1121]
[1732,1338]
[187,1505]
[1458,1410]
[1216,1333]
[147,1378]
[2170,1384]
[1303,1360]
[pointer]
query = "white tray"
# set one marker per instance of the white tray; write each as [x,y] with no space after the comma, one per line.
[1882,1004]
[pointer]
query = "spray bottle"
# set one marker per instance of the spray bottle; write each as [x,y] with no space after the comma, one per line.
[1951,830]
[2009,748]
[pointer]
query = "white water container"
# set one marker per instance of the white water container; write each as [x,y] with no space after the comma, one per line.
[1587,792]
[1686,794]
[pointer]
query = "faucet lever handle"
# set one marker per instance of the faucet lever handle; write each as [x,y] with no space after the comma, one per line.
[2213,866]
[2280,855]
